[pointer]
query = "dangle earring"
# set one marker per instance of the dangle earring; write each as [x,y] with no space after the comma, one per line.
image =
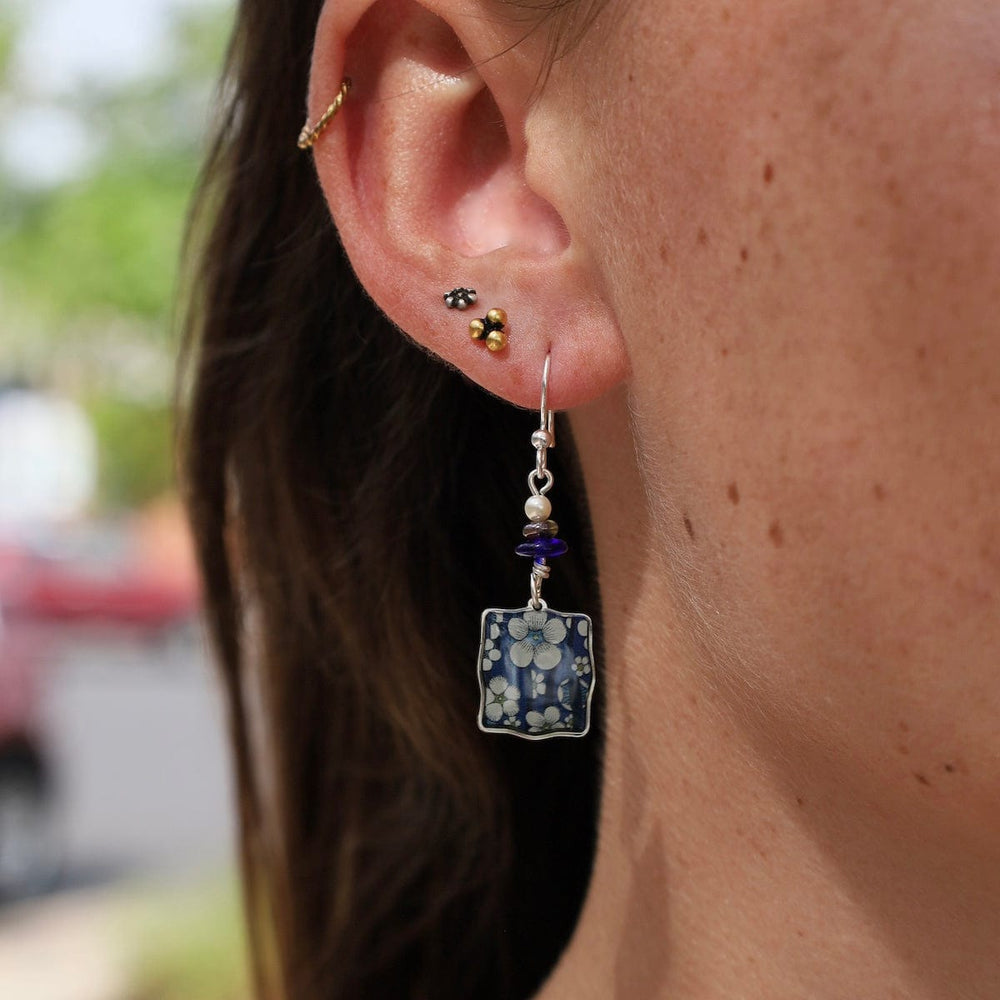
[536,664]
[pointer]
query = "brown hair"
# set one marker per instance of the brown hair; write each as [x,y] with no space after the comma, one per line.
[355,506]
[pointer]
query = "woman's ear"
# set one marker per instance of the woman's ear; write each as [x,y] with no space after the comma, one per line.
[424,170]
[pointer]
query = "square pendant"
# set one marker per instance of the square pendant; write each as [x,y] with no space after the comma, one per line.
[536,672]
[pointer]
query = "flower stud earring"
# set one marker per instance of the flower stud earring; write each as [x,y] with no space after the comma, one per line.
[460,298]
[490,329]
[536,664]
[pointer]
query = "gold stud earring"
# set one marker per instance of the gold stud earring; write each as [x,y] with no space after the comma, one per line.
[490,329]
[310,133]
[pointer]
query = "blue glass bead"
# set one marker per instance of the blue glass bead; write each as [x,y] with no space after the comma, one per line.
[542,548]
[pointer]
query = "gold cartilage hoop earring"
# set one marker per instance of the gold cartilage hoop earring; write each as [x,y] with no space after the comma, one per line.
[310,133]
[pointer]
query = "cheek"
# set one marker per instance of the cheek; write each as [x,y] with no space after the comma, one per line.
[809,277]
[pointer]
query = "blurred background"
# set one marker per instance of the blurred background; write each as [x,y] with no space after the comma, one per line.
[116,852]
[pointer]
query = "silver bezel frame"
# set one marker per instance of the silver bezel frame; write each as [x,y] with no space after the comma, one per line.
[554,734]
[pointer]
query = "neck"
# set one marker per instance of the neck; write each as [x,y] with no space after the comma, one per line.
[730,863]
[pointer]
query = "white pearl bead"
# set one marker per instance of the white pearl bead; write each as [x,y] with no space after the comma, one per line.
[537,508]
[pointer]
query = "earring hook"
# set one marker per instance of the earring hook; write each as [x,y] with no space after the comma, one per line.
[548,418]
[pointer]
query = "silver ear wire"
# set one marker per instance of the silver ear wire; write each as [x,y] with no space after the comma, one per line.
[548,418]
[537,505]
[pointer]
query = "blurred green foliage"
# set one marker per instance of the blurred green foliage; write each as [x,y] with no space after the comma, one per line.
[105,243]
[189,945]
[8,36]
[134,453]
[88,268]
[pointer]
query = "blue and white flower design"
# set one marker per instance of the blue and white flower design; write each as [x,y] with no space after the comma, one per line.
[501,699]
[537,672]
[570,691]
[491,656]
[537,639]
[544,722]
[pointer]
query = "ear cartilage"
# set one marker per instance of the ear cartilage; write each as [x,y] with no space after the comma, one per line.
[490,329]
[460,298]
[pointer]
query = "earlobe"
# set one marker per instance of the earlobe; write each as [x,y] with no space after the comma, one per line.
[424,175]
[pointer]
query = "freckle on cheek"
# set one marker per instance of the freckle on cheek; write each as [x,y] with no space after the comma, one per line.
[776,535]
[768,173]
[879,490]
[734,493]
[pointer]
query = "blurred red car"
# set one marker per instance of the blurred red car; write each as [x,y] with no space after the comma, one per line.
[136,575]
[122,576]
[29,843]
